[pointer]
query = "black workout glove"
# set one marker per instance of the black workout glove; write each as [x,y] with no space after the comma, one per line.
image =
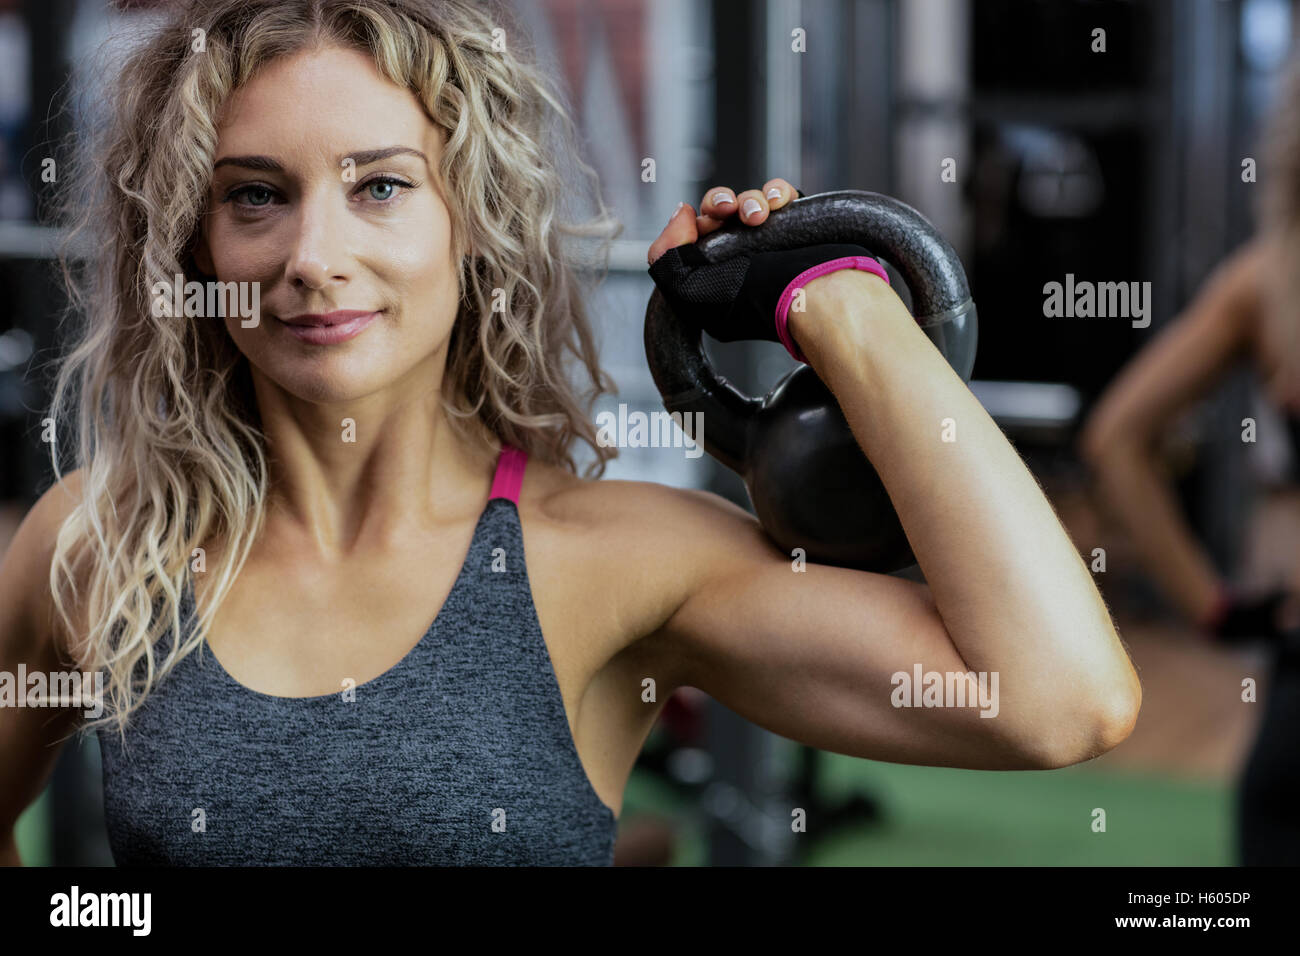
[737,299]
[1242,619]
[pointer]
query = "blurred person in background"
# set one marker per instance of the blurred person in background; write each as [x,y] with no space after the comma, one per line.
[1247,311]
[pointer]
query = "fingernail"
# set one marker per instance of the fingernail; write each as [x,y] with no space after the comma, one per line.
[751,206]
[722,199]
[774,193]
[676,211]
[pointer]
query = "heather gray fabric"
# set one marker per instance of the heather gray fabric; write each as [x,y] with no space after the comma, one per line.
[467,730]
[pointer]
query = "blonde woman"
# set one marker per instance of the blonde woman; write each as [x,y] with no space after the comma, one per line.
[1247,311]
[390,444]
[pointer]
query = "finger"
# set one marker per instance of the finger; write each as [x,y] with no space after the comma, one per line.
[719,203]
[680,231]
[753,207]
[707,224]
[778,192]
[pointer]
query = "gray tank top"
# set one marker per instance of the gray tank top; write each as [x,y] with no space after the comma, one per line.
[461,754]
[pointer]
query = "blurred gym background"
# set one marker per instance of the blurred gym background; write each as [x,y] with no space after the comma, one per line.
[1124,166]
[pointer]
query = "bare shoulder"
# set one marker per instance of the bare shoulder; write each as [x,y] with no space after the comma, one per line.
[25,571]
[637,548]
[660,521]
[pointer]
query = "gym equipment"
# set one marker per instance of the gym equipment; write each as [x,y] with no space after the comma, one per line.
[810,484]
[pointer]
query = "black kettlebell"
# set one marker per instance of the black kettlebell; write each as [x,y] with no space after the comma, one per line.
[809,482]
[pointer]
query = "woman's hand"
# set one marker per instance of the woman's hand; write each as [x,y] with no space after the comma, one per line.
[748,296]
[719,205]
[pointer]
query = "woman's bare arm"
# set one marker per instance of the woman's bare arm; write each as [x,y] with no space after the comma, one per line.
[30,737]
[812,655]
[1180,365]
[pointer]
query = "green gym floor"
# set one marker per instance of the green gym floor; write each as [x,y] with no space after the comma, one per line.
[942,817]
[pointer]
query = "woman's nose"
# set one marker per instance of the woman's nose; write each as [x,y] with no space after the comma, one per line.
[318,250]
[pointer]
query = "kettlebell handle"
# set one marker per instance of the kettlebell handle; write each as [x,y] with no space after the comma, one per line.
[882,225]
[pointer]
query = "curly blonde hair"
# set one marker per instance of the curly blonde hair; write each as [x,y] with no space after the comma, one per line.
[167,432]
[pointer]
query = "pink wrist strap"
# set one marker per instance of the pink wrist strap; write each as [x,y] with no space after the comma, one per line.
[863,263]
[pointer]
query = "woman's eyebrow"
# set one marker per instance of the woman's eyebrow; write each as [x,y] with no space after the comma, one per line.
[365,157]
[362,157]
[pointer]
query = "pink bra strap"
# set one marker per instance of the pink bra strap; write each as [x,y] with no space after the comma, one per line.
[509,477]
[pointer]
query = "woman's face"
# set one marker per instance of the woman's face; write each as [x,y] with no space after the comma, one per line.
[324,192]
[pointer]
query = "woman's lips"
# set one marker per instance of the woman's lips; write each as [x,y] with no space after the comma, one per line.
[330,334]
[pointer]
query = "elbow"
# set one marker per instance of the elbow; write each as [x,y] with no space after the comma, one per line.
[1074,726]
[1090,445]
[1111,455]
[1111,727]
[1094,729]
[1107,441]
[1096,443]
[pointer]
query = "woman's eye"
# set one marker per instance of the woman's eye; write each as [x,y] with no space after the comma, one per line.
[384,188]
[252,196]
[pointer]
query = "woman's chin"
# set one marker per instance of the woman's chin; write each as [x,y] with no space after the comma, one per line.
[333,387]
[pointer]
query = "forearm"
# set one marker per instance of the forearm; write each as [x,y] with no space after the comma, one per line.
[1144,504]
[1012,590]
